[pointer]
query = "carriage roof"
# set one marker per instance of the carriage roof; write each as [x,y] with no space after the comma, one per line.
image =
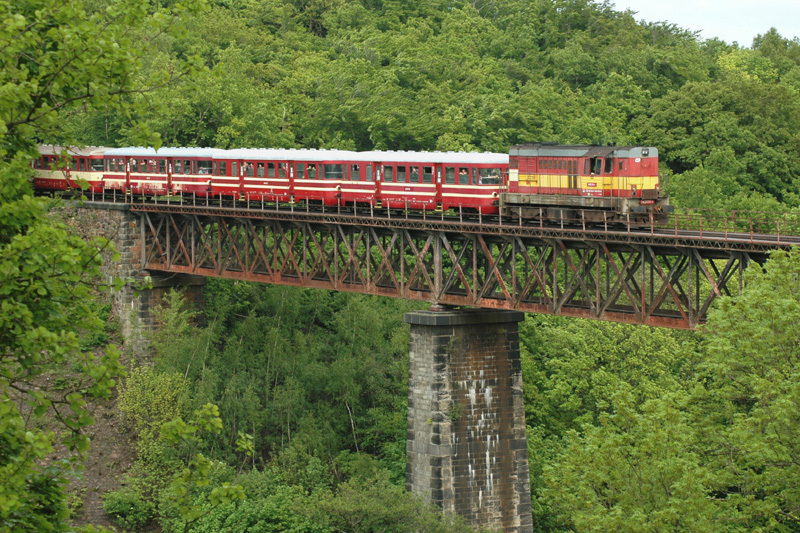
[75,151]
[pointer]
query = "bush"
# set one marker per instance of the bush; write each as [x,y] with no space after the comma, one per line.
[128,508]
[149,399]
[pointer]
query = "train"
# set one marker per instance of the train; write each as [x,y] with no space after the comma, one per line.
[536,181]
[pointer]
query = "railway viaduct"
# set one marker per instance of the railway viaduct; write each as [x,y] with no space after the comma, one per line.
[466,446]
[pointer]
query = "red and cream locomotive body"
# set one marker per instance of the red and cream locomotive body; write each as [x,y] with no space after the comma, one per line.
[536,181]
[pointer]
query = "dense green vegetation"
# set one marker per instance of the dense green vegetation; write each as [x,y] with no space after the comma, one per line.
[451,74]
[296,399]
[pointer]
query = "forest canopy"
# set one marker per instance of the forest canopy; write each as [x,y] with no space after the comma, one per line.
[303,393]
[478,75]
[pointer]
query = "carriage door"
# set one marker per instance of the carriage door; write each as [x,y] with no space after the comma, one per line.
[438,171]
[369,175]
[127,174]
[378,180]
[169,176]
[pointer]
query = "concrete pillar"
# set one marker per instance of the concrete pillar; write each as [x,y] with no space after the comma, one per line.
[467,449]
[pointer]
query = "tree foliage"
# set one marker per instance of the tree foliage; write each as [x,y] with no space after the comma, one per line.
[58,59]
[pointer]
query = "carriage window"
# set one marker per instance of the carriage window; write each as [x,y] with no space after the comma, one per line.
[490,176]
[234,167]
[176,167]
[312,171]
[450,175]
[282,170]
[401,174]
[97,165]
[333,172]
[270,170]
[162,166]
[414,177]
[81,164]
[369,172]
[388,174]
[260,170]
[463,176]
[203,167]
[427,174]
[223,168]
[301,171]
[355,173]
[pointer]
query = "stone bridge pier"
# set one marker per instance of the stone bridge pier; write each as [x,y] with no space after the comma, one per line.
[467,447]
[133,305]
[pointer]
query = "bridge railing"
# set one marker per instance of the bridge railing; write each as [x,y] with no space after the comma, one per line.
[753,223]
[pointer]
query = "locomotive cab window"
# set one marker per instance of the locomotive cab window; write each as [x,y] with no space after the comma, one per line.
[594,166]
[609,166]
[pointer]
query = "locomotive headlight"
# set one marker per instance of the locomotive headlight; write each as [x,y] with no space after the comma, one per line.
[494,194]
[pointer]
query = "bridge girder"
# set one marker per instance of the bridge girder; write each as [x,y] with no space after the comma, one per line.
[642,279]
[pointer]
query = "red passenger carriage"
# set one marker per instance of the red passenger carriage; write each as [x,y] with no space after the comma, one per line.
[60,168]
[440,180]
[140,170]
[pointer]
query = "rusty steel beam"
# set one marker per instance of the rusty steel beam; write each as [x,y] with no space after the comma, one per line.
[555,273]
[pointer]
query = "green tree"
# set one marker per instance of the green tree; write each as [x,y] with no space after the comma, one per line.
[751,398]
[57,59]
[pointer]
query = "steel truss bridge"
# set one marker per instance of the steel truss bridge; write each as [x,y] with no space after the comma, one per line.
[666,276]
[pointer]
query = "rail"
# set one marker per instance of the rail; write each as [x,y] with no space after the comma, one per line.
[782,227]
